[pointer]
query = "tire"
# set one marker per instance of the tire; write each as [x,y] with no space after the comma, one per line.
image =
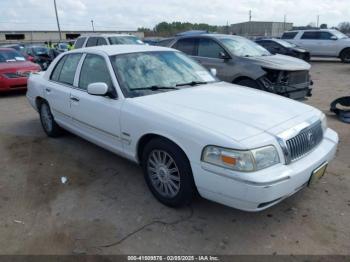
[51,128]
[345,56]
[168,173]
[249,83]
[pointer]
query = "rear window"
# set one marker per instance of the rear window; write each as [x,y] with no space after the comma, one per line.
[92,41]
[289,35]
[80,42]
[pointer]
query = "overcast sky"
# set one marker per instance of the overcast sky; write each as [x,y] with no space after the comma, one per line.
[131,14]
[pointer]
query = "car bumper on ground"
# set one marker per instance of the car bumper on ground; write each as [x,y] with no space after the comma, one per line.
[222,186]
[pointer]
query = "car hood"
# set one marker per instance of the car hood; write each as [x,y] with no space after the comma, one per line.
[280,62]
[15,66]
[231,110]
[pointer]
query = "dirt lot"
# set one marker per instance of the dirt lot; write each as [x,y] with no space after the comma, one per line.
[106,208]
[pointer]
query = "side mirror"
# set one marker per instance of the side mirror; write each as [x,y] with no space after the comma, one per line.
[333,37]
[213,71]
[224,55]
[97,89]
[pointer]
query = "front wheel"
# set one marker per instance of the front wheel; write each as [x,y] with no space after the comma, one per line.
[168,173]
[249,83]
[48,123]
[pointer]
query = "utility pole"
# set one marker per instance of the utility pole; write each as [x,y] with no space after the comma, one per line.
[250,15]
[318,21]
[92,24]
[284,22]
[58,23]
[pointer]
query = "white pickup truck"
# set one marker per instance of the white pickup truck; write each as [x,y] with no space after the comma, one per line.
[241,147]
[322,42]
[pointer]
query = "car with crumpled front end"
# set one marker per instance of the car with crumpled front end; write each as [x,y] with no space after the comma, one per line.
[241,61]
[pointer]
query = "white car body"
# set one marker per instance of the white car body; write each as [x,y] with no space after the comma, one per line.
[330,46]
[219,114]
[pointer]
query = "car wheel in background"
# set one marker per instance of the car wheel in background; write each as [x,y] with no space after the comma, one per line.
[51,128]
[345,56]
[168,173]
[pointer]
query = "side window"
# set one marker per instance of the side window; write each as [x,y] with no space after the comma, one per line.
[313,35]
[92,41]
[325,35]
[101,41]
[68,69]
[94,70]
[57,71]
[209,48]
[289,35]
[186,45]
[80,42]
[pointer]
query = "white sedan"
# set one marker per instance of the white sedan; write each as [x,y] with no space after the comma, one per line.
[244,148]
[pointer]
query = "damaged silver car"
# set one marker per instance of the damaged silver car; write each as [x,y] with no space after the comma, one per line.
[243,62]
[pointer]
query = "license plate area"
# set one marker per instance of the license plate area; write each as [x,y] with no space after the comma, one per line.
[317,174]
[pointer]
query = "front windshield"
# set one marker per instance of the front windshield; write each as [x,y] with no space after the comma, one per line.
[40,50]
[285,43]
[167,69]
[11,56]
[243,47]
[125,40]
[339,35]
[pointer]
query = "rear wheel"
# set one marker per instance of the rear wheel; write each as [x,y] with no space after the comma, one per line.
[48,123]
[168,173]
[345,56]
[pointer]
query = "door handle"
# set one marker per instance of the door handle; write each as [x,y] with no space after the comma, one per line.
[75,99]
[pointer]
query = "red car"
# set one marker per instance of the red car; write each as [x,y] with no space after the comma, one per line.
[14,70]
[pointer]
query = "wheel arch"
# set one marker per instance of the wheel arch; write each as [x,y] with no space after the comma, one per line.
[343,50]
[38,102]
[146,138]
[240,78]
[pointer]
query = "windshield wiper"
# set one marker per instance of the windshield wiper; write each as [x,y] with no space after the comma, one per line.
[193,83]
[155,88]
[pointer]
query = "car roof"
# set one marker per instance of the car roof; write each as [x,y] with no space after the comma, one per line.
[105,35]
[310,30]
[218,36]
[122,49]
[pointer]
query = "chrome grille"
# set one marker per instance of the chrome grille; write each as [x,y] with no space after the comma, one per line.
[305,141]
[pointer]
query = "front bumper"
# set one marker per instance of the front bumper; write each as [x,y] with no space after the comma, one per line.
[223,185]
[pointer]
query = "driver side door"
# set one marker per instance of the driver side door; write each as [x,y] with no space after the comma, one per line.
[96,117]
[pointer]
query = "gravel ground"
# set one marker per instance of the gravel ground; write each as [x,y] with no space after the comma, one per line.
[106,208]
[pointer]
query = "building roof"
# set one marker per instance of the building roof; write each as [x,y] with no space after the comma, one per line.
[122,49]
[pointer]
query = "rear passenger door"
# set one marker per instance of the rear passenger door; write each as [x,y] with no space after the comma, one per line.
[57,93]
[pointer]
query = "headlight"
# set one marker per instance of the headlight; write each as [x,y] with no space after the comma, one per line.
[243,161]
[324,122]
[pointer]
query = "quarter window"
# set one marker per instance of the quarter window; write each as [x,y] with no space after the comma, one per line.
[69,67]
[56,72]
[209,48]
[94,70]
[186,45]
